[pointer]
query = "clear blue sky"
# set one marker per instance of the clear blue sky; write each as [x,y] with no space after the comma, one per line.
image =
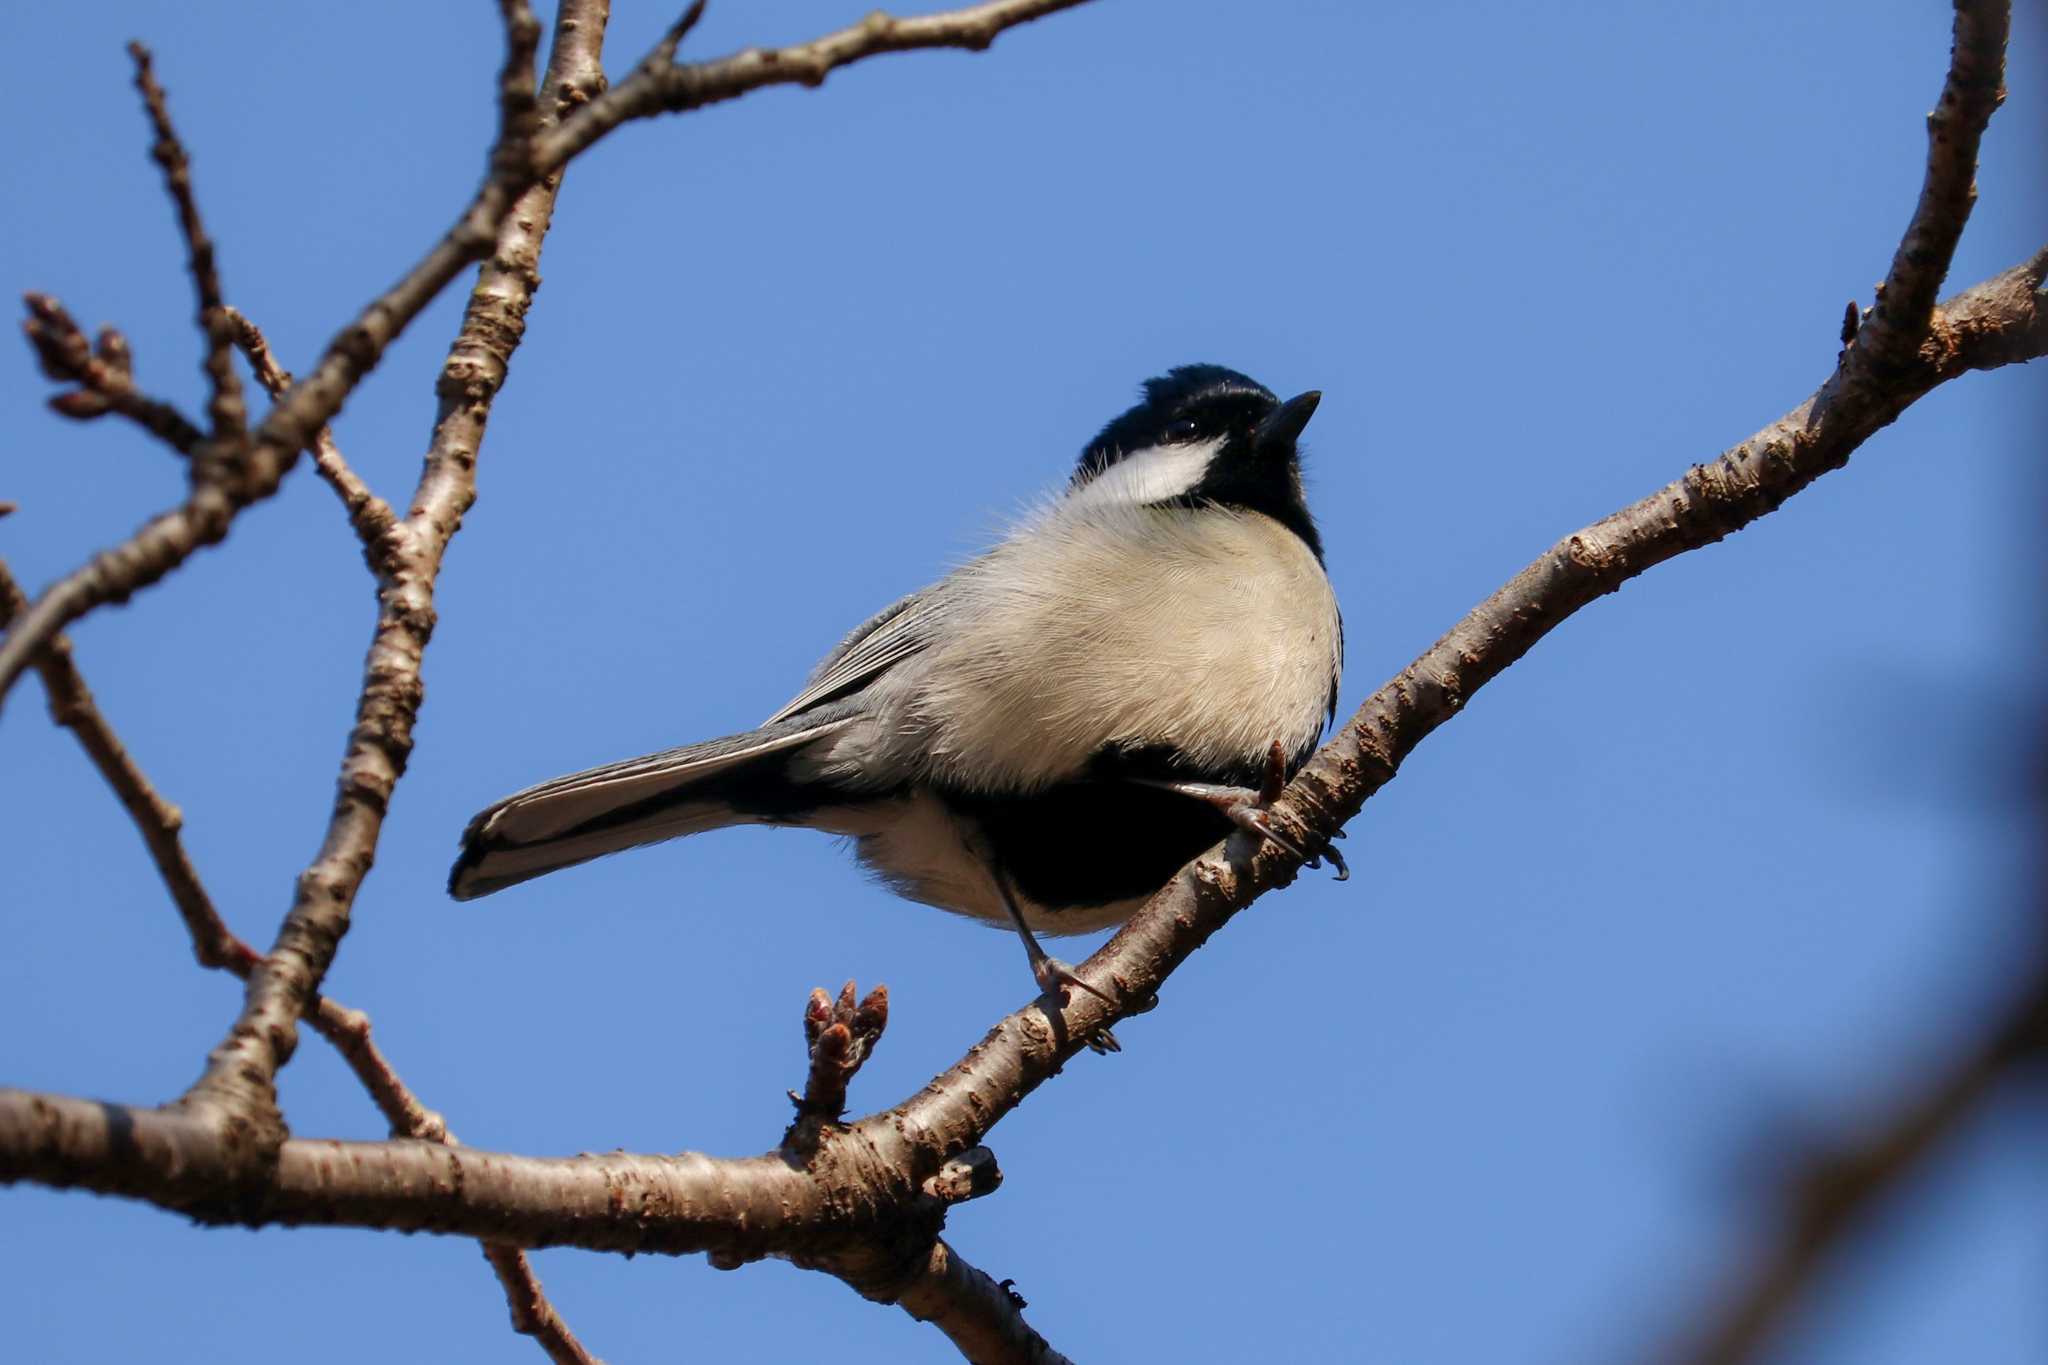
[1719,869]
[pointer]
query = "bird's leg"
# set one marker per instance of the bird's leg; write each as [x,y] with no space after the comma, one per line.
[1048,971]
[1247,809]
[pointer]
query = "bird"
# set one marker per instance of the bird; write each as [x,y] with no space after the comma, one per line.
[1043,737]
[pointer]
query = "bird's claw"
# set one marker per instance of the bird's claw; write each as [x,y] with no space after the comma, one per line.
[1051,974]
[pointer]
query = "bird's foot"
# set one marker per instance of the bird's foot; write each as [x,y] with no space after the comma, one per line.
[1250,810]
[1054,976]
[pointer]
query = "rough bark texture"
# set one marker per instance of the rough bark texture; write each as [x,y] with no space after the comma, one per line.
[864,1201]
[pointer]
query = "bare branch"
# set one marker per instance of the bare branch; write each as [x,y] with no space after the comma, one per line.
[897,1167]
[660,86]
[174,536]
[105,373]
[157,820]
[240,1075]
[518,109]
[1972,92]
[224,405]
[981,1317]
[369,514]
[1832,1192]
[664,52]
[532,1314]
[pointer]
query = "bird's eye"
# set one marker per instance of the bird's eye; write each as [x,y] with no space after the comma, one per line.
[1181,432]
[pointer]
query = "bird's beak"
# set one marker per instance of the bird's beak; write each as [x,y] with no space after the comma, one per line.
[1277,434]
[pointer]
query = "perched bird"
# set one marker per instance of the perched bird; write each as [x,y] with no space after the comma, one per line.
[1045,735]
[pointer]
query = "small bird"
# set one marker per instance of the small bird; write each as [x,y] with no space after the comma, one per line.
[1045,735]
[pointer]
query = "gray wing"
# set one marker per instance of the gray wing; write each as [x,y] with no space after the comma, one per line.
[877,645]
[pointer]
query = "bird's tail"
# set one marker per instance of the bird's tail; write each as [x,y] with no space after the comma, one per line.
[742,779]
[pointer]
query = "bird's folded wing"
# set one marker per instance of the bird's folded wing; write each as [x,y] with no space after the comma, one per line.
[875,646]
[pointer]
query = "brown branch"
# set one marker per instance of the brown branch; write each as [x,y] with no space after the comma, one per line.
[224,403]
[1971,93]
[72,706]
[873,1174]
[214,944]
[240,1076]
[532,1314]
[981,1317]
[203,519]
[104,372]
[1832,1193]
[884,1182]
[661,86]
[157,820]
[369,514]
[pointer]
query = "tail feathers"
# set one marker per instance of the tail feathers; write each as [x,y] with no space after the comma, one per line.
[572,819]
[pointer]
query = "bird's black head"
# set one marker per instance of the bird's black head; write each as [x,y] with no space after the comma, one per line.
[1206,434]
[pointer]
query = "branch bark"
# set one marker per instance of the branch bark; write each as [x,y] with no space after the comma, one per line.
[875,1170]
[863,1201]
[660,86]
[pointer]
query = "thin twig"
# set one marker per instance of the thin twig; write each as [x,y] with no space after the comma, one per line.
[1970,94]
[224,406]
[369,514]
[660,85]
[532,1314]
[214,944]
[104,372]
[155,819]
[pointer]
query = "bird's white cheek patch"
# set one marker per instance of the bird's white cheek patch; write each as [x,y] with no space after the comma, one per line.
[1155,474]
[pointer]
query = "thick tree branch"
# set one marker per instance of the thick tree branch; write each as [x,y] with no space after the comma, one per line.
[203,519]
[864,1201]
[675,1202]
[240,1075]
[887,1172]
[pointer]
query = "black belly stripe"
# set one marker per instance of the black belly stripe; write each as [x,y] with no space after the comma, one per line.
[1092,843]
[1108,838]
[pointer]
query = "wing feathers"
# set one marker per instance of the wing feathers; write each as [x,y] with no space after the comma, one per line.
[877,645]
[584,815]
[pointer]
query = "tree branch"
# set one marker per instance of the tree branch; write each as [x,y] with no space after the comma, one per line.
[1971,93]
[873,1174]
[661,86]
[224,405]
[676,1204]
[981,1317]
[1831,1193]
[532,1314]
[104,373]
[369,514]
[240,1076]
[203,519]
[155,819]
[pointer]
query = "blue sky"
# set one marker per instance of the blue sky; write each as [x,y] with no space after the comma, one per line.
[1717,871]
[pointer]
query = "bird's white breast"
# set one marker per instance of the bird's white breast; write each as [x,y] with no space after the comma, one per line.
[1203,629]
